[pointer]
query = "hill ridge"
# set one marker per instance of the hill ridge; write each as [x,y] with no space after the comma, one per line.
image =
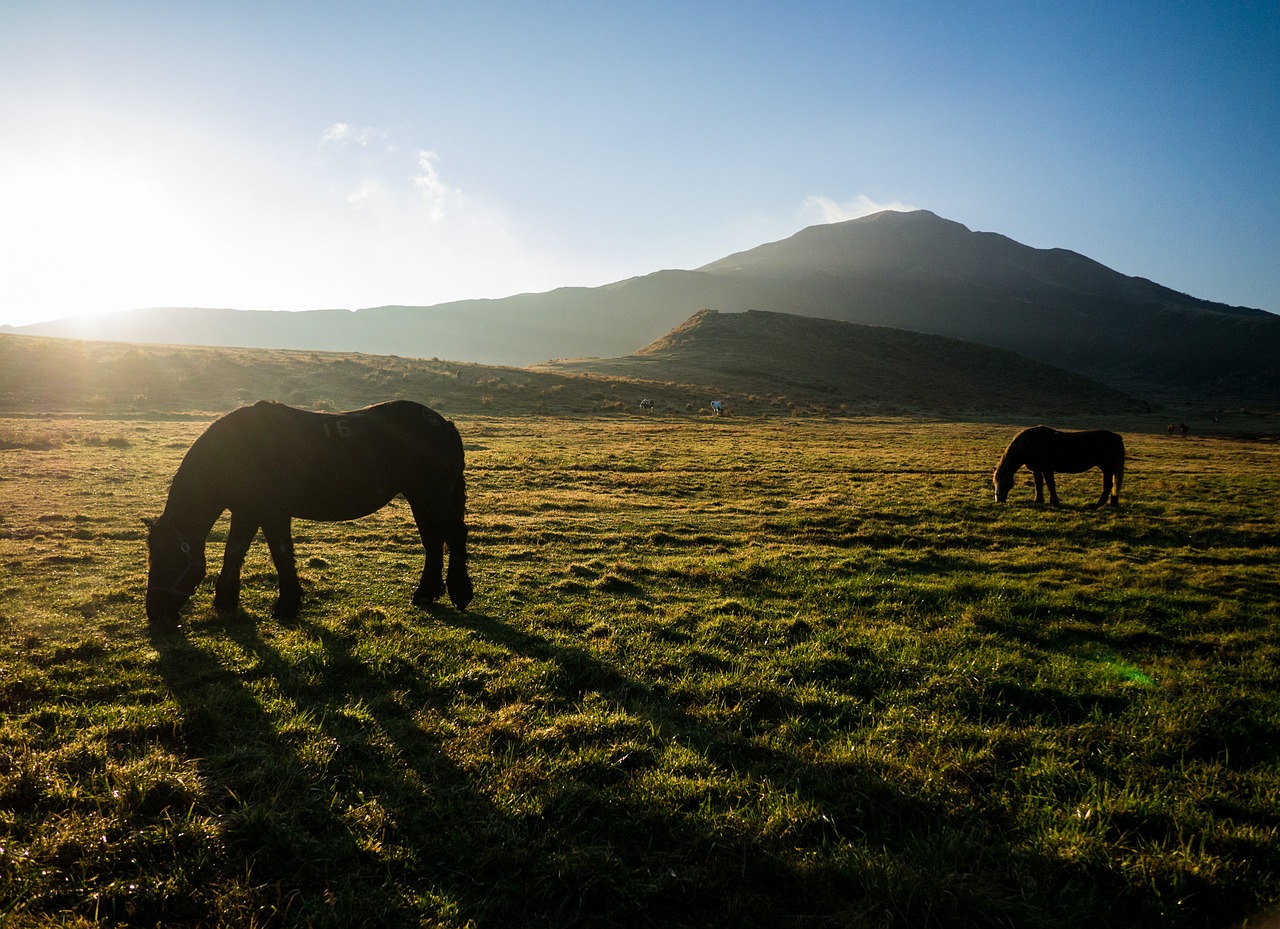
[853,366]
[914,271]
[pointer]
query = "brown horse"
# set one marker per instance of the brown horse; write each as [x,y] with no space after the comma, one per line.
[269,463]
[1044,451]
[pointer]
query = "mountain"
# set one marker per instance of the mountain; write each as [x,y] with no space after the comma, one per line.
[798,359]
[914,271]
[513,331]
[921,272]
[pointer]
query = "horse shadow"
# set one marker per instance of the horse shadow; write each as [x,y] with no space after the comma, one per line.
[293,806]
[590,846]
[852,802]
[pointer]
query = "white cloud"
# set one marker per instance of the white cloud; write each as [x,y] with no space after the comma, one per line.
[346,134]
[364,192]
[827,210]
[338,132]
[433,190]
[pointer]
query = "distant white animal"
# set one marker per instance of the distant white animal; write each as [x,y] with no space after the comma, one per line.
[717,407]
[646,404]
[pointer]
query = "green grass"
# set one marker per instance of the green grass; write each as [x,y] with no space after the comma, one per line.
[718,672]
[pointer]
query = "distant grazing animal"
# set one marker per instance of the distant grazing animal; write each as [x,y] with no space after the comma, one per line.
[646,404]
[268,463]
[1183,430]
[717,407]
[1044,451]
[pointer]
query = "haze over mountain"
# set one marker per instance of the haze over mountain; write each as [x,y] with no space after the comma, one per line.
[812,367]
[913,271]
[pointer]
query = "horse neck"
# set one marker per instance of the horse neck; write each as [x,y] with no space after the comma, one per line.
[1012,460]
[193,506]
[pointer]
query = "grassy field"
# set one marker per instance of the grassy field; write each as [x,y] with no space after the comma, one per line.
[740,672]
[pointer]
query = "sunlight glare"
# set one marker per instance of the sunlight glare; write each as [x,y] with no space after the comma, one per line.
[82,231]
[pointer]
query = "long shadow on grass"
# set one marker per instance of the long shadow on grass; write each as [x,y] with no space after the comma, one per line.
[566,848]
[389,831]
[865,851]
[339,806]
[579,853]
[303,820]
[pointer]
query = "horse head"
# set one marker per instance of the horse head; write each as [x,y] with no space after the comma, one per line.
[175,568]
[1003,481]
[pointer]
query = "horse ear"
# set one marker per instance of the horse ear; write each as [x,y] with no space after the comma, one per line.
[149,522]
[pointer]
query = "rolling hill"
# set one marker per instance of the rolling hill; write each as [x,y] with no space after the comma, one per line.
[914,271]
[856,368]
[760,363]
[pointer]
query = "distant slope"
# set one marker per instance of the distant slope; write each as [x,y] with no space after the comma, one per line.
[912,271]
[513,331]
[41,375]
[760,363]
[855,367]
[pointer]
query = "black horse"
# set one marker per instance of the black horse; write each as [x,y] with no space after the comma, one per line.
[1044,451]
[268,463]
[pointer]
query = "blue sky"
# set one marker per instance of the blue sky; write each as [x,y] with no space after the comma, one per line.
[284,155]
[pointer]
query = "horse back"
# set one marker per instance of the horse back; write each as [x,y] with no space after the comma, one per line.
[1073,452]
[306,462]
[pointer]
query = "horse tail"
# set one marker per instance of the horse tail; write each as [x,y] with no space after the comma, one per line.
[458,579]
[1120,465]
[460,495]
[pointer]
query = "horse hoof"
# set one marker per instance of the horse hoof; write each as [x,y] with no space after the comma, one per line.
[425,599]
[461,593]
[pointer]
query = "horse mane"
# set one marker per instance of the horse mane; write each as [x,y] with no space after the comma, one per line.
[1006,465]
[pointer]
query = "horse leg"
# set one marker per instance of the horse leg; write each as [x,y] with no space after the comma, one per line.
[1106,489]
[1039,486]
[437,531]
[226,596]
[1053,488]
[278,531]
[459,580]
[1115,497]
[431,584]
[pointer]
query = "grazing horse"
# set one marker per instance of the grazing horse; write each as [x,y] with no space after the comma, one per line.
[646,404]
[268,463]
[1044,451]
[717,407]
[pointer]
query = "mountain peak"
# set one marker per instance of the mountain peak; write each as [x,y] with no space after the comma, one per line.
[901,217]
[890,240]
[921,246]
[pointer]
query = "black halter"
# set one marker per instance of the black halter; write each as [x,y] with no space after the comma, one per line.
[192,561]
